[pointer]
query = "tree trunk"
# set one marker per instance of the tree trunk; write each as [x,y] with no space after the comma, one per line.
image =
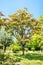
[23,50]
[4,48]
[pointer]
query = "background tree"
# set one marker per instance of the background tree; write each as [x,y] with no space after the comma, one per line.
[41,20]
[5,38]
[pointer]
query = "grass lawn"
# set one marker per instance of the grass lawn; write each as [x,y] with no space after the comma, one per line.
[30,62]
[31,59]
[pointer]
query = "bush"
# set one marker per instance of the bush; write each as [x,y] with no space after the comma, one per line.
[6,59]
[33,49]
[26,49]
[14,48]
[1,20]
[35,42]
[28,46]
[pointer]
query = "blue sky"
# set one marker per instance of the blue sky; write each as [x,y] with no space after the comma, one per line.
[10,6]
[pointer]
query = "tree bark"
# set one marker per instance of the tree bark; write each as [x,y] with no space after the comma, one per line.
[23,48]
[4,48]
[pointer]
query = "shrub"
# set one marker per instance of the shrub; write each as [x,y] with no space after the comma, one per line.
[15,48]
[28,45]
[26,49]
[6,59]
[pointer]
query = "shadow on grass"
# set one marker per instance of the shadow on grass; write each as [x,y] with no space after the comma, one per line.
[32,56]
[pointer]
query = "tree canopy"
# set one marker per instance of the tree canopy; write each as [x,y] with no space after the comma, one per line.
[22,25]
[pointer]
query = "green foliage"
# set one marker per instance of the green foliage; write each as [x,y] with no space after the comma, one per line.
[35,42]
[0,20]
[41,43]
[41,18]
[36,39]
[15,47]
[1,46]
[8,59]
[28,45]
[5,37]
[5,59]
[26,49]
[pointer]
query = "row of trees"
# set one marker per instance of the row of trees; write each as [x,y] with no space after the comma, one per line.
[20,25]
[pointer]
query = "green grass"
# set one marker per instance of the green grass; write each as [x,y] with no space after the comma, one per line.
[31,59]
[31,62]
[18,59]
[33,56]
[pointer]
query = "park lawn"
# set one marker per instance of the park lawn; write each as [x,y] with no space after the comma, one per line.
[30,62]
[30,59]
[19,59]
